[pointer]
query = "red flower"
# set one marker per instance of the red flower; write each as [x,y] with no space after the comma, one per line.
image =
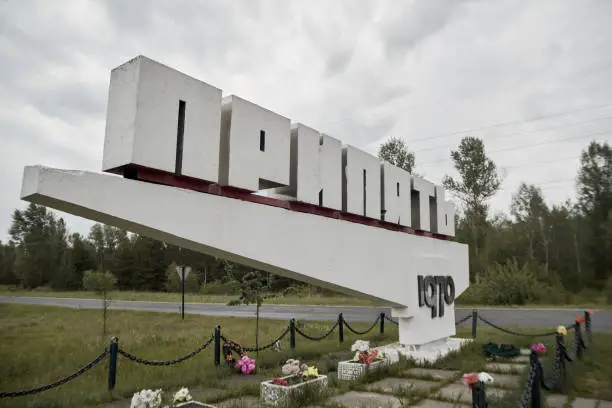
[278,381]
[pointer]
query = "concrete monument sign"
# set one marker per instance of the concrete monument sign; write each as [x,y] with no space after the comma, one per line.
[190,162]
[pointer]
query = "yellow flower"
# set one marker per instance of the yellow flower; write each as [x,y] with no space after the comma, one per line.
[311,372]
[562,330]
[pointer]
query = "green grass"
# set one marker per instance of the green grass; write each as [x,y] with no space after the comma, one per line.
[302,299]
[38,345]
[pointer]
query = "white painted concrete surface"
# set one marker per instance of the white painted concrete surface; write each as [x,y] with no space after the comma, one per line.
[349,257]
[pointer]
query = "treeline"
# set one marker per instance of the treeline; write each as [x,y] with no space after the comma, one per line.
[535,253]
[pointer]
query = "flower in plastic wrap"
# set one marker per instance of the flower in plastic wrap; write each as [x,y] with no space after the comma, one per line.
[361,345]
[485,378]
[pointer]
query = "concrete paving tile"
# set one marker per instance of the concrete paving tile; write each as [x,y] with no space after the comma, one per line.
[354,399]
[505,368]
[584,403]
[437,404]
[556,400]
[391,385]
[461,393]
[438,375]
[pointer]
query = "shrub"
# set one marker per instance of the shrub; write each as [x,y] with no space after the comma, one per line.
[221,288]
[99,281]
[510,284]
[473,295]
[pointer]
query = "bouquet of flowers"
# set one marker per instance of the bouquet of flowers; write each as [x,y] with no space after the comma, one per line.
[147,399]
[246,365]
[299,373]
[181,395]
[364,354]
[472,378]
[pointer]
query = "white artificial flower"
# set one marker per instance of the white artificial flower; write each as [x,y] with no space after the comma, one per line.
[361,345]
[182,395]
[136,402]
[485,378]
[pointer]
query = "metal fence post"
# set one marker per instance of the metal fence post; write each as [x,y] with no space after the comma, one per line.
[292,333]
[382,323]
[112,366]
[341,327]
[579,340]
[474,322]
[536,392]
[217,345]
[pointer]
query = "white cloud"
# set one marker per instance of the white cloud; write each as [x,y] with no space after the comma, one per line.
[359,71]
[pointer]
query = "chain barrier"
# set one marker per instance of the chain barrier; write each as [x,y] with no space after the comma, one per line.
[57,383]
[167,362]
[348,326]
[526,398]
[271,344]
[465,319]
[391,320]
[299,331]
[553,380]
[514,333]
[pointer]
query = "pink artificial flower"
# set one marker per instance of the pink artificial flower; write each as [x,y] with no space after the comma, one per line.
[470,379]
[539,348]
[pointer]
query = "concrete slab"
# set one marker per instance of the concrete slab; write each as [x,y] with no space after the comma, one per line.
[505,368]
[605,404]
[393,385]
[525,352]
[556,400]
[354,399]
[437,404]
[584,403]
[426,373]
[461,393]
[243,402]
[502,381]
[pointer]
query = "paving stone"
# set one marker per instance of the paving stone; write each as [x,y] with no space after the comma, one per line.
[391,385]
[584,403]
[435,404]
[461,393]
[556,400]
[355,399]
[605,404]
[525,352]
[505,368]
[244,402]
[502,381]
[520,359]
[438,375]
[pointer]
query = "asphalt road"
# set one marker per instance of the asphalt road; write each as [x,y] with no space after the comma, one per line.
[542,318]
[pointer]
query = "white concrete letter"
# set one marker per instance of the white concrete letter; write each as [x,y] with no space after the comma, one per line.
[361,183]
[426,190]
[316,163]
[396,194]
[160,118]
[446,214]
[255,146]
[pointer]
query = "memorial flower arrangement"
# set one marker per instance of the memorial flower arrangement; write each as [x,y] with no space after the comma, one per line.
[153,399]
[471,379]
[364,354]
[295,373]
[562,330]
[538,348]
[182,395]
[246,365]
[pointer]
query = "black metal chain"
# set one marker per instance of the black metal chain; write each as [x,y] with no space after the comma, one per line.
[556,371]
[514,333]
[465,319]
[391,320]
[526,399]
[297,329]
[348,326]
[267,346]
[57,383]
[167,362]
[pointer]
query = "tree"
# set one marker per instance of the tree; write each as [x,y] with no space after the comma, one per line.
[100,282]
[595,201]
[395,151]
[478,181]
[253,290]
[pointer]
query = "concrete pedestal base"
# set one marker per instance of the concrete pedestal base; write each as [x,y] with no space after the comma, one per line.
[430,352]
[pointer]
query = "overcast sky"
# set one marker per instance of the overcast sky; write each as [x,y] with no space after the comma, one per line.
[361,71]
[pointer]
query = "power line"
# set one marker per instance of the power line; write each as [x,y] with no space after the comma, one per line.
[524,132]
[534,119]
[529,145]
[540,163]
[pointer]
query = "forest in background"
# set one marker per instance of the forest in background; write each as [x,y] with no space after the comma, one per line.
[534,254]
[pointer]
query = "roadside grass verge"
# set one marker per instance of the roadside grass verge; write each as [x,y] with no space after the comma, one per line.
[40,344]
[306,298]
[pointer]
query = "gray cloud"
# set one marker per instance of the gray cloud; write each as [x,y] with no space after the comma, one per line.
[359,71]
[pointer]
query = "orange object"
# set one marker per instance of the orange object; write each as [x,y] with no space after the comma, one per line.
[580,319]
